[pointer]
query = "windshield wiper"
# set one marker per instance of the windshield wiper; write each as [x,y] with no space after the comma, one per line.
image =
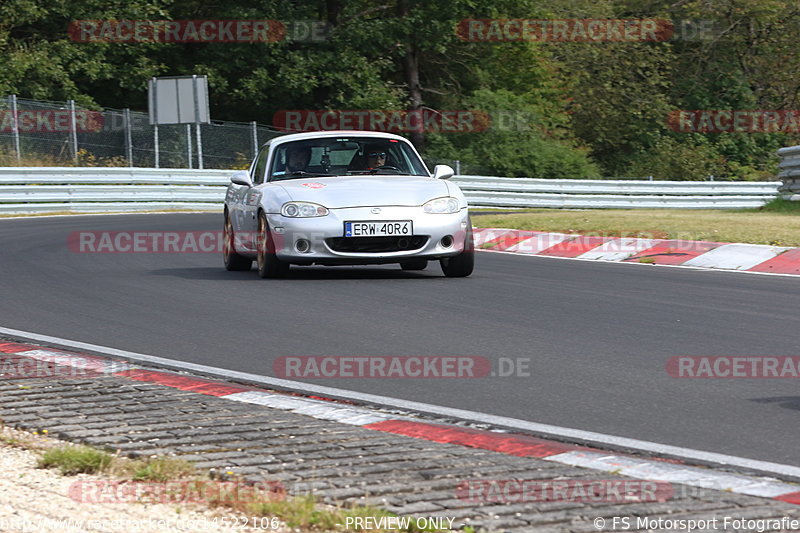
[304,174]
[377,171]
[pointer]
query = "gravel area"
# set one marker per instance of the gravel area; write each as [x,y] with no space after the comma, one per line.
[38,500]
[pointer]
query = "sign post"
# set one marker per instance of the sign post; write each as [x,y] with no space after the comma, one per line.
[180,100]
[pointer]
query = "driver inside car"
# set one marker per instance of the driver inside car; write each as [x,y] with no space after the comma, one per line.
[297,158]
[376,157]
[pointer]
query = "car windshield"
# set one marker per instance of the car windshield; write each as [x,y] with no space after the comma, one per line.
[342,156]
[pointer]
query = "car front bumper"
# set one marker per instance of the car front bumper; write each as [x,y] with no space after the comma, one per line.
[323,233]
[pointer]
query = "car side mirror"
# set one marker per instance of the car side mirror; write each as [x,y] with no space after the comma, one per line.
[242,177]
[443,172]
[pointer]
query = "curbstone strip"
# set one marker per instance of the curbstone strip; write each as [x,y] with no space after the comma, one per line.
[702,254]
[328,411]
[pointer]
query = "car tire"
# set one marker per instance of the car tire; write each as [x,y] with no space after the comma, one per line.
[232,260]
[461,265]
[414,264]
[269,266]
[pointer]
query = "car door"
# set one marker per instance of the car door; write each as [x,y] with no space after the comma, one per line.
[235,200]
[252,197]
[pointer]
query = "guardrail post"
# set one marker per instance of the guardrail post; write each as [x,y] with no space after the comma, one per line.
[15,126]
[73,130]
[458,167]
[128,138]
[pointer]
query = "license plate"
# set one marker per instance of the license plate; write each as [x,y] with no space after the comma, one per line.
[378,229]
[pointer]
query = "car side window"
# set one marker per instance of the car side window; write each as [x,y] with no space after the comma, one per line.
[260,168]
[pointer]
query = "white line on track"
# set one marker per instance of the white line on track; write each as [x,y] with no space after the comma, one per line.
[587,437]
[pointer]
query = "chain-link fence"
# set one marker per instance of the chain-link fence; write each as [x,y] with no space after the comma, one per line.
[35,132]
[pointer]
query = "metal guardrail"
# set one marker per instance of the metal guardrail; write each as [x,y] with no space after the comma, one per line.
[26,190]
[790,172]
[485,191]
[29,190]
[112,176]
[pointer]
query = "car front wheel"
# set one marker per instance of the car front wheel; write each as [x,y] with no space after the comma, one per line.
[232,260]
[461,265]
[269,266]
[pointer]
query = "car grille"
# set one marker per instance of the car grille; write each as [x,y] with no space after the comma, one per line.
[367,245]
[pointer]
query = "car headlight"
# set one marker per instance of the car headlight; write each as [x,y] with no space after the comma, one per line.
[303,210]
[447,204]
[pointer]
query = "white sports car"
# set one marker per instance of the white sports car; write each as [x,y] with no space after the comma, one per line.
[345,198]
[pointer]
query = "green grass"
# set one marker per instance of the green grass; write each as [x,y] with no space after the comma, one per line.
[777,223]
[779,205]
[76,459]
[159,469]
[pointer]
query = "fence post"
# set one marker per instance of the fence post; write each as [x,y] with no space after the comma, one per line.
[197,124]
[128,138]
[155,125]
[254,136]
[73,130]
[155,143]
[15,126]
[189,143]
[199,146]
[458,167]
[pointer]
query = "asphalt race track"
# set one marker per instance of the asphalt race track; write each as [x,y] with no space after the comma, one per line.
[598,335]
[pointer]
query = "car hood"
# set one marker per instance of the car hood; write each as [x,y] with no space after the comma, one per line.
[364,191]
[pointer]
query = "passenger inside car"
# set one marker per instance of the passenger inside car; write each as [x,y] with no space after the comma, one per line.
[374,156]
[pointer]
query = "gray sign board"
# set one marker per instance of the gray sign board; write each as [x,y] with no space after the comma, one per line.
[179,100]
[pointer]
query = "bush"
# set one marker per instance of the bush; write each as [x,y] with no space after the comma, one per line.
[519,142]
